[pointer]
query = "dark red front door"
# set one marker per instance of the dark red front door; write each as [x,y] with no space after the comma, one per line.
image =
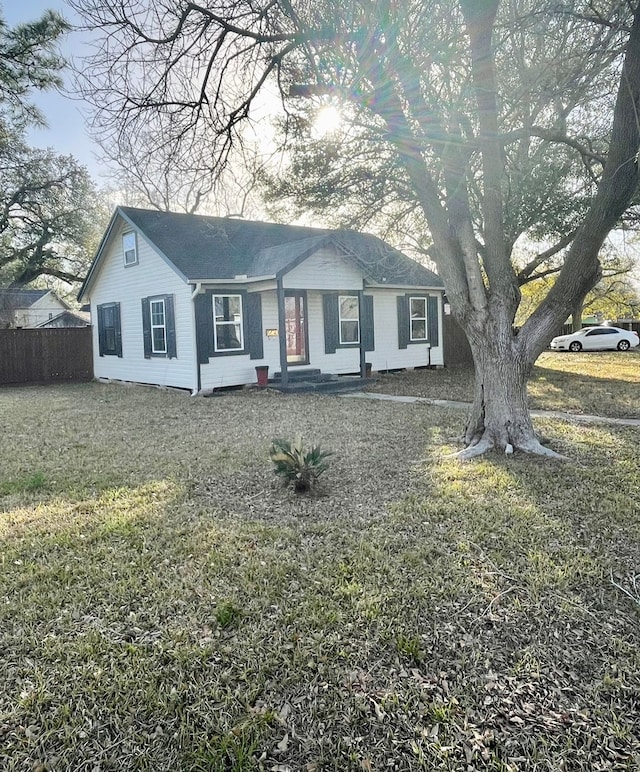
[296,326]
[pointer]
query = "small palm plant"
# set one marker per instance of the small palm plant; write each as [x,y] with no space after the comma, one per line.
[300,468]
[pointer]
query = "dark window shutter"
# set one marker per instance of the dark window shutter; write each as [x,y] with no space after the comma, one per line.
[170,326]
[204,326]
[101,341]
[254,325]
[146,328]
[368,336]
[432,321]
[403,321]
[331,323]
[118,328]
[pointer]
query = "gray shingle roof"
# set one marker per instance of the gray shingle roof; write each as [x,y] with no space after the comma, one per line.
[22,298]
[203,247]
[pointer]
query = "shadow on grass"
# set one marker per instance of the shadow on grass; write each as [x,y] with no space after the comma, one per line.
[533,622]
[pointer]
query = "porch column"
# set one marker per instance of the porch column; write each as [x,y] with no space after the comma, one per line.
[282,333]
[363,353]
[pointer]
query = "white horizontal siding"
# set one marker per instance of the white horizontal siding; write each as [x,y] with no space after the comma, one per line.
[387,354]
[323,270]
[232,370]
[344,360]
[239,369]
[151,275]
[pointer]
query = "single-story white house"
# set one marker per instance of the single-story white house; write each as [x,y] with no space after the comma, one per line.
[198,302]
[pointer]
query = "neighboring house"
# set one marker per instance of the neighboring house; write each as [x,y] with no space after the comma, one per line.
[29,307]
[198,302]
[68,319]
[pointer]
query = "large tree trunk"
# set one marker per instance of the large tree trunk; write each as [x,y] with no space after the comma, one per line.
[499,414]
[499,417]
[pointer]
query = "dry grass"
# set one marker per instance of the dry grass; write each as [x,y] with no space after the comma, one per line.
[596,383]
[166,605]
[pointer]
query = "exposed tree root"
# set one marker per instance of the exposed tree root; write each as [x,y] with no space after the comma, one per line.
[536,448]
[531,446]
[472,451]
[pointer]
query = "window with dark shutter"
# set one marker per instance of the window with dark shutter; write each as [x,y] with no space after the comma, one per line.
[169,305]
[331,323]
[432,321]
[223,322]
[418,320]
[368,335]
[109,332]
[254,325]
[204,326]
[403,321]
[158,326]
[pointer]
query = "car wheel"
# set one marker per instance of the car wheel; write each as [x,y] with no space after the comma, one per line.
[575,345]
[624,345]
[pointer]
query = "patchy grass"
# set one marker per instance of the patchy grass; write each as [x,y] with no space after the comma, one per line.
[598,383]
[166,604]
[595,383]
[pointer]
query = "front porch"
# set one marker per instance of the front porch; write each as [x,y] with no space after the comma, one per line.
[314,380]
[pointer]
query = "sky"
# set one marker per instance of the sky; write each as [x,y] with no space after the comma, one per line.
[66,132]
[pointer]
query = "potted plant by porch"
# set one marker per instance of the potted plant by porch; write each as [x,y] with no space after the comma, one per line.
[262,373]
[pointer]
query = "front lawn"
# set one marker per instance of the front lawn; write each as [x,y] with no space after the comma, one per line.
[166,605]
[594,383]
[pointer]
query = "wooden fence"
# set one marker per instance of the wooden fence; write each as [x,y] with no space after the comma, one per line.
[45,355]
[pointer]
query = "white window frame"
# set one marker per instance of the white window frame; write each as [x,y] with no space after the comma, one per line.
[413,318]
[232,322]
[129,247]
[163,326]
[342,319]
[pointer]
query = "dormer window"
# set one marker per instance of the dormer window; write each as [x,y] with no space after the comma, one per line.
[129,248]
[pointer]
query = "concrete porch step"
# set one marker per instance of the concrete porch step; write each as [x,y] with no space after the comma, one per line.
[331,384]
[295,374]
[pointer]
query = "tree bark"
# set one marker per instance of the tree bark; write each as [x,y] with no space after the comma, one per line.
[500,417]
[576,316]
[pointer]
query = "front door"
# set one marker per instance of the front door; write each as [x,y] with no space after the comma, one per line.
[295,314]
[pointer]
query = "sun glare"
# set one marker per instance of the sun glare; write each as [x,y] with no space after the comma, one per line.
[328,121]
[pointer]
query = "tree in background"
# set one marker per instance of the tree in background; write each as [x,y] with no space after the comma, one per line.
[615,296]
[50,212]
[485,121]
[29,60]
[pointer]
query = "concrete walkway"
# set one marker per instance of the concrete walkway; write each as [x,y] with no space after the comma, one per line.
[575,417]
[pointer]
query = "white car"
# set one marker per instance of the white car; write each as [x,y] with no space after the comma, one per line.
[595,338]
